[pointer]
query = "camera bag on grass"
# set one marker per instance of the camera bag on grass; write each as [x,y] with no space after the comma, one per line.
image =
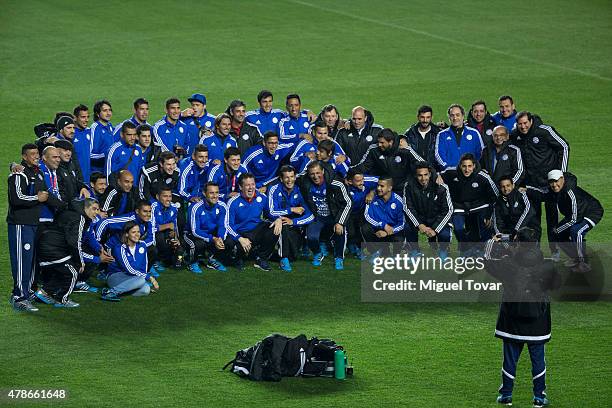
[278,356]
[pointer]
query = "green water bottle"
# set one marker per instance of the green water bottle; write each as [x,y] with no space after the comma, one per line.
[339,365]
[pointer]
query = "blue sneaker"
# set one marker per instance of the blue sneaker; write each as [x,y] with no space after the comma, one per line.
[505,400]
[443,255]
[339,264]
[285,265]
[110,295]
[195,268]
[214,264]
[42,296]
[539,402]
[159,267]
[262,264]
[323,248]
[316,260]
[84,287]
[352,248]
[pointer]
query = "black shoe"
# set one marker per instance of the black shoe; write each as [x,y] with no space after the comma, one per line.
[262,264]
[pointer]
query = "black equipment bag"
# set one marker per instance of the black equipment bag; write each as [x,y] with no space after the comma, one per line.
[278,356]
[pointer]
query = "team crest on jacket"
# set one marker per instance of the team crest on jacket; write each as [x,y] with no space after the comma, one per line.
[448,138]
[258,199]
[516,204]
[398,159]
[306,125]
[208,124]
[505,157]
[27,247]
[393,206]
[168,180]
[381,157]
[474,184]
[469,137]
[141,250]
[136,153]
[368,138]
[489,132]
[227,146]
[245,137]
[536,140]
[274,120]
[181,130]
[295,196]
[217,211]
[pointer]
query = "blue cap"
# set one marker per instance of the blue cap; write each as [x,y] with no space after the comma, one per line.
[198,98]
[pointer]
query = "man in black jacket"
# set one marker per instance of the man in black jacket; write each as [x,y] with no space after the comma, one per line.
[524,315]
[428,207]
[60,252]
[421,136]
[512,210]
[362,133]
[473,194]
[122,198]
[581,212]
[480,119]
[543,150]
[246,135]
[155,175]
[500,158]
[330,203]
[387,158]
[26,192]
[70,178]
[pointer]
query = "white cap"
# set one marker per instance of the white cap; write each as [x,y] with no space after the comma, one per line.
[555,175]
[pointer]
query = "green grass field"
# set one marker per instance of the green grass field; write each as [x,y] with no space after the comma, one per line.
[554,57]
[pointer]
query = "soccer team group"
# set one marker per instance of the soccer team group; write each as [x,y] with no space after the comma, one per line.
[127,201]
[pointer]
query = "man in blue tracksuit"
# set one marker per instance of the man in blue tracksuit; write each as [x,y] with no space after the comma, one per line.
[456,140]
[226,174]
[264,160]
[384,215]
[506,115]
[101,134]
[206,232]
[361,189]
[140,116]
[82,140]
[286,202]
[170,132]
[198,121]
[252,235]
[192,174]
[124,155]
[220,140]
[293,127]
[265,118]
[305,150]
[165,219]
[26,194]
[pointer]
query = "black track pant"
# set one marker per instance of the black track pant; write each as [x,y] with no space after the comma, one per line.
[197,247]
[369,235]
[262,239]
[290,242]
[59,279]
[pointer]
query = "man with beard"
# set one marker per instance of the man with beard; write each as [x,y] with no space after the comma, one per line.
[500,158]
[512,210]
[421,136]
[429,208]
[480,119]
[506,115]
[263,161]
[361,134]
[452,143]
[122,198]
[192,174]
[150,151]
[473,194]
[386,158]
[245,134]
[101,134]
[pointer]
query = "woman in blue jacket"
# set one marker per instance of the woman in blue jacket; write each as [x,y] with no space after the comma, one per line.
[129,271]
